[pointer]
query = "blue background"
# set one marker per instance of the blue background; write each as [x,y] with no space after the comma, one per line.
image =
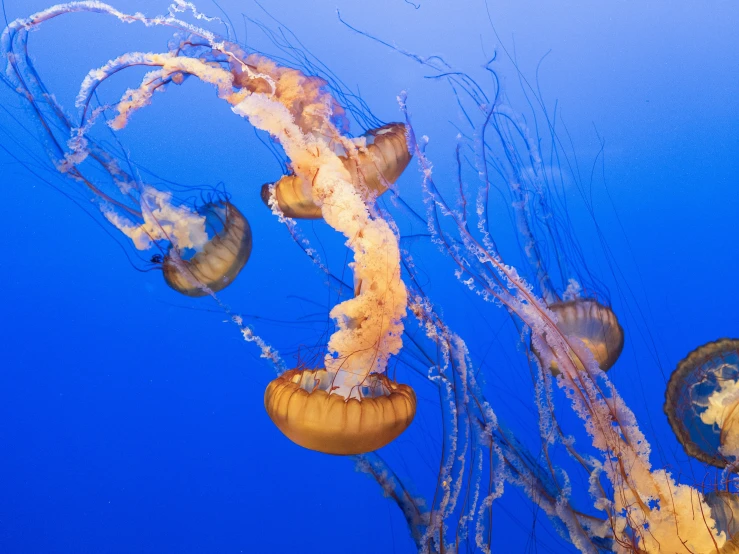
[132,420]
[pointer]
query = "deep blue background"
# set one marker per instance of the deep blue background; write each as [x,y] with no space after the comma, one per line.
[131,420]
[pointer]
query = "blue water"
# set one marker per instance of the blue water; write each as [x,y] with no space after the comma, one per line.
[132,419]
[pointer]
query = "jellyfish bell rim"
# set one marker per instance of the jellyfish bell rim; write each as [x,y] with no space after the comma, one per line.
[695,359]
[234,239]
[332,424]
[562,308]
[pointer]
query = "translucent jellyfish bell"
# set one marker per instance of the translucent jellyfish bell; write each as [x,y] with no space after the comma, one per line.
[299,404]
[595,325]
[702,402]
[376,166]
[725,511]
[220,260]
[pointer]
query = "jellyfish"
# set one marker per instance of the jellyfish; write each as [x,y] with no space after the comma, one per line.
[648,511]
[301,405]
[297,111]
[369,326]
[307,405]
[221,258]
[344,408]
[701,403]
[381,159]
[548,244]
[201,249]
[594,324]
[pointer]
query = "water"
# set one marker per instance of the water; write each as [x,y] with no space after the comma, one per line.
[134,418]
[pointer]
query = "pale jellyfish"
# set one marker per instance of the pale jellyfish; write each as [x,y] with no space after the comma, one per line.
[702,401]
[725,510]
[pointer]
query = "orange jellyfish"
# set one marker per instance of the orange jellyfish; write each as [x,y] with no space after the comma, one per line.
[702,401]
[381,158]
[202,250]
[349,406]
[346,409]
[592,323]
[301,405]
[219,261]
[526,168]
[551,249]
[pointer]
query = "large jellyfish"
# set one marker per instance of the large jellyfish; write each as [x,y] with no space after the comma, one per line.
[309,406]
[350,406]
[301,404]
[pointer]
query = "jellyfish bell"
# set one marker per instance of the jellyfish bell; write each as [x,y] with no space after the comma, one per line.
[381,158]
[725,511]
[702,402]
[223,256]
[293,196]
[302,405]
[592,323]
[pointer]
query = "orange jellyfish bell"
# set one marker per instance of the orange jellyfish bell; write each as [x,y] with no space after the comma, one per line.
[595,325]
[294,198]
[299,404]
[220,260]
[376,166]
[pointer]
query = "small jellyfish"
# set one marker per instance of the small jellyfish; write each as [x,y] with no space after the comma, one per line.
[206,248]
[302,406]
[594,324]
[701,402]
[555,257]
[378,163]
[221,258]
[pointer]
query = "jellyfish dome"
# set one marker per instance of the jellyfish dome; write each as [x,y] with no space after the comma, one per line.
[301,405]
[701,402]
[594,324]
[222,257]
[382,156]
